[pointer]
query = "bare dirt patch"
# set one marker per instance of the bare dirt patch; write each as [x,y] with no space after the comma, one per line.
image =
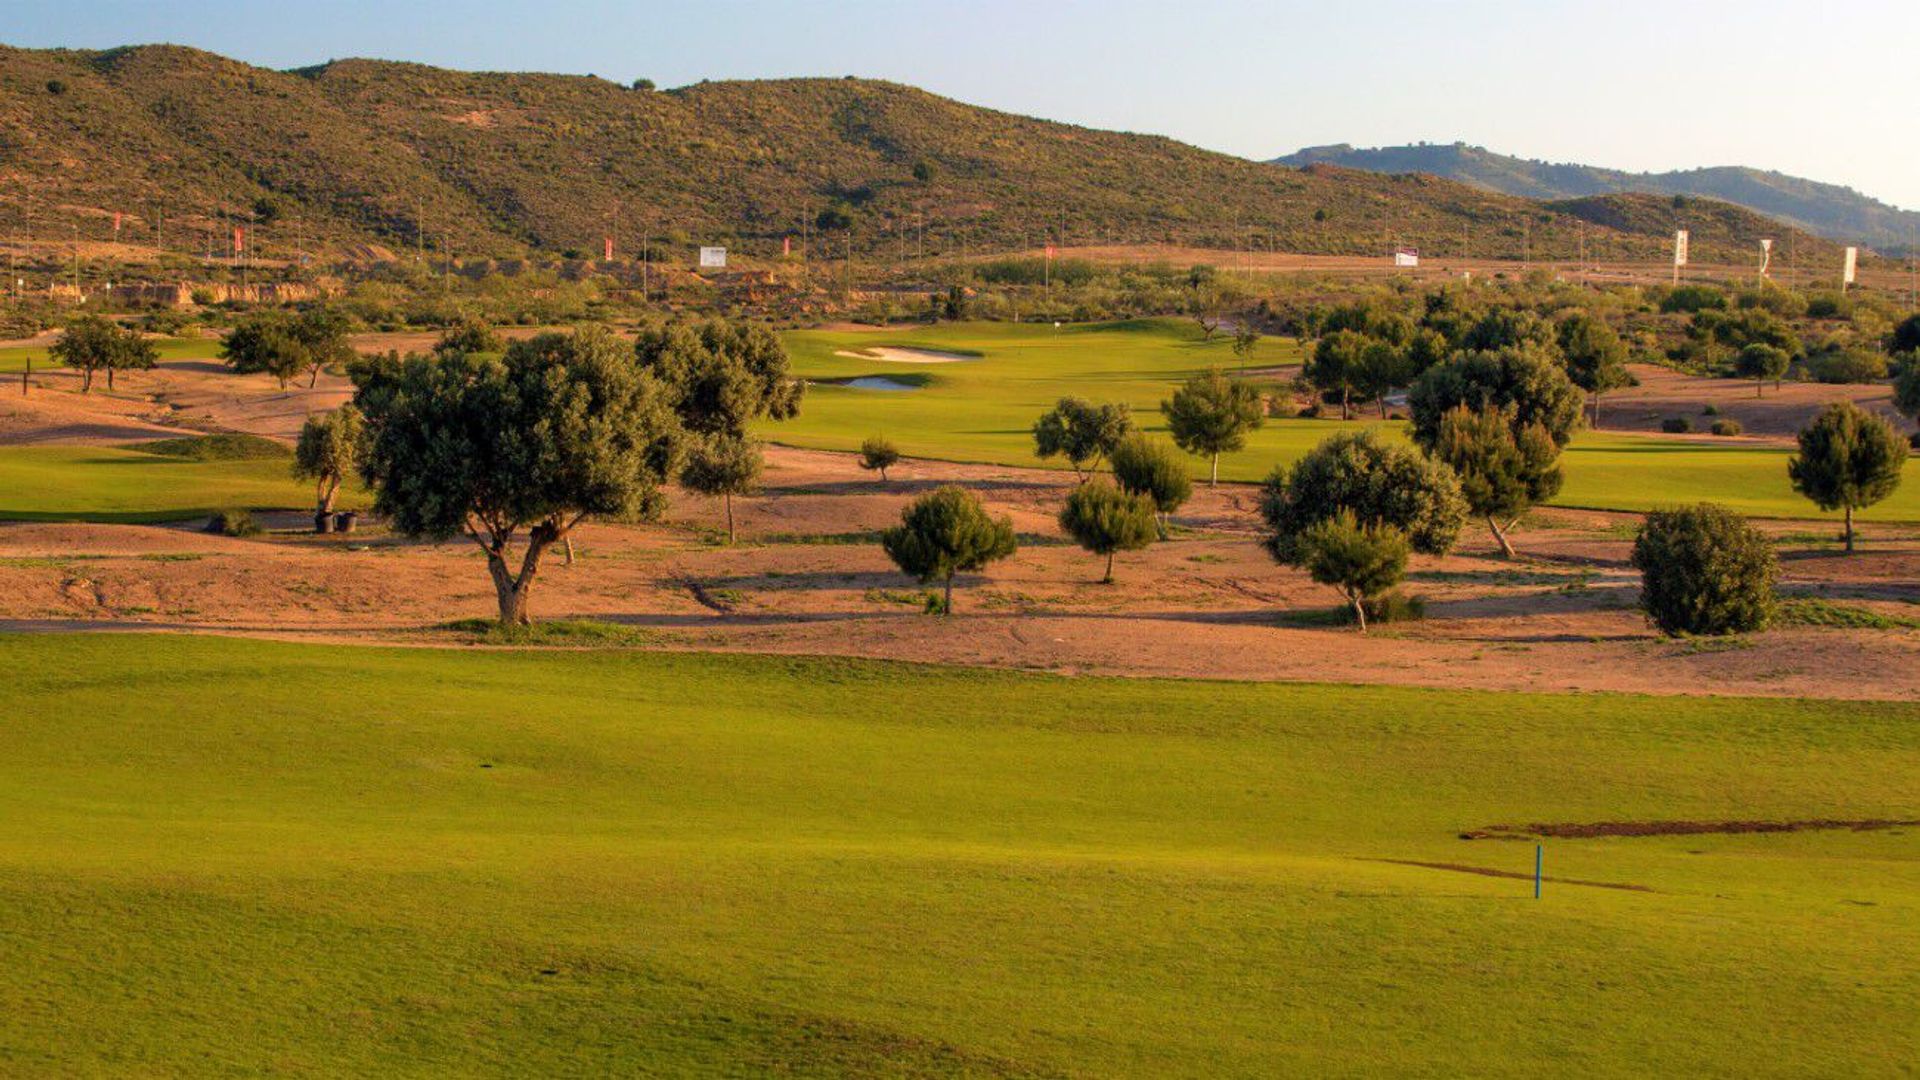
[1581,831]
[1773,415]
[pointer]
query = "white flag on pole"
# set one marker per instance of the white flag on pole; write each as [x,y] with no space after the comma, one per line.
[1766,256]
[1680,248]
[1853,259]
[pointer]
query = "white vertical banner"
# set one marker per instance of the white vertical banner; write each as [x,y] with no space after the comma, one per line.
[1766,256]
[1851,264]
[1680,248]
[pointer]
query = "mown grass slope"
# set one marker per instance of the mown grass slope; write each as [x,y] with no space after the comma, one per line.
[223,857]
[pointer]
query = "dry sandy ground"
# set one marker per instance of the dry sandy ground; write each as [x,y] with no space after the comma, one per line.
[809,577]
[806,578]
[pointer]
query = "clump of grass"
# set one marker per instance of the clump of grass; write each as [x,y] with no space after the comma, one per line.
[1393,607]
[864,536]
[574,633]
[1813,611]
[233,523]
[228,447]
[906,597]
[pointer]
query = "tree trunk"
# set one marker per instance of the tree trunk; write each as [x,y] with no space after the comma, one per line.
[1596,411]
[110,371]
[727,498]
[946,607]
[513,589]
[1359,610]
[1346,405]
[1213,478]
[1759,387]
[313,377]
[1500,537]
[1849,530]
[86,380]
[1108,580]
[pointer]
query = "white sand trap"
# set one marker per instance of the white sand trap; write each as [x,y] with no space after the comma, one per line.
[897,355]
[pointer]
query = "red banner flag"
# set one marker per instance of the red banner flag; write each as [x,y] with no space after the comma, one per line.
[239,243]
[609,244]
[786,245]
[116,223]
[1049,251]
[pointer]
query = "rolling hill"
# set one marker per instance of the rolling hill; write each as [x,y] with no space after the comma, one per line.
[1829,210]
[357,155]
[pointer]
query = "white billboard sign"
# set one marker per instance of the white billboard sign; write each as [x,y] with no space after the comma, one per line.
[1406,257]
[713,258]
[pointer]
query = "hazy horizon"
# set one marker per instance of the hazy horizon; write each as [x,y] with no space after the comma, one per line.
[1255,80]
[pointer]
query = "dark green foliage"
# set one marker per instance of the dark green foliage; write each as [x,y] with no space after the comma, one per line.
[1676,425]
[559,428]
[1842,363]
[1104,519]
[1692,298]
[1334,368]
[233,523]
[1704,570]
[1383,367]
[283,346]
[1155,469]
[1595,356]
[1726,427]
[1381,482]
[724,465]
[1211,415]
[1827,304]
[1763,364]
[1906,392]
[1526,379]
[1849,458]
[722,376]
[328,453]
[470,336]
[945,532]
[878,453]
[1081,432]
[91,343]
[1509,328]
[1504,466]
[1905,337]
[1362,560]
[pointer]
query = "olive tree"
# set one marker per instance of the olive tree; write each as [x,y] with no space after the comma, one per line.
[267,345]
[722,465]
[1763,364]
[1155,469]
[1849,458]
[559,428]
[1081,432]
[878,453]
[1362,560]
[1105,519]
[945,532]
[1211,414]
[1704,570]
[91,343]
[722,376]
[328,452]
[1380,482]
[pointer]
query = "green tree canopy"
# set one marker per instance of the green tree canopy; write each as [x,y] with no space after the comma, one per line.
[723,376]
[559,428]
[1529,380]
[1104,519]
[1849,458]
[1595,356]
[469,336]
[1504,466]
[1704,570]
[328,452]
[1362,560]
[1211,414]
[722,465]
[1081,432]
[91,343]
[1155,469]
[1379,481]
[877,452]
[1763,364]
[945,532]
[1334,367]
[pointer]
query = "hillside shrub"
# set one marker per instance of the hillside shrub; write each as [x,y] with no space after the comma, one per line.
[1846,364]
[1726,427]
[1704,570]
[233,523]
[1676,425]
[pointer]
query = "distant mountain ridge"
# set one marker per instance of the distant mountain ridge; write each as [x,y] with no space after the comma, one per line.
[1830,210]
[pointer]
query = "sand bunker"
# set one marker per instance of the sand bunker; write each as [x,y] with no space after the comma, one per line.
[897,355]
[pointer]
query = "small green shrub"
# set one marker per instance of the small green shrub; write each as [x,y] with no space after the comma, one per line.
[233,523]
[1726,427]
[1710,410]
[1704,570]
[1676,425]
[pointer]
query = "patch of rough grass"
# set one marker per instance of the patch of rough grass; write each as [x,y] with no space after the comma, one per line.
[1813,611]
[556,633]
[227,447]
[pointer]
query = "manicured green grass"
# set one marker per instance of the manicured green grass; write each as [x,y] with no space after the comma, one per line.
[118,484]
[236,857]
[15,359]
[983,411]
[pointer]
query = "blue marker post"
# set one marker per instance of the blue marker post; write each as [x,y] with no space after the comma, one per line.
[1539,857]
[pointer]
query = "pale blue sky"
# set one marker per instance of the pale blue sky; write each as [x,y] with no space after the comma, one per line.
[1824,90]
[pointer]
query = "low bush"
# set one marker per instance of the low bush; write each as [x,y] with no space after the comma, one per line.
[233,523]
[1676,425]
[1704,570]
[1847,365]
[1726,427]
